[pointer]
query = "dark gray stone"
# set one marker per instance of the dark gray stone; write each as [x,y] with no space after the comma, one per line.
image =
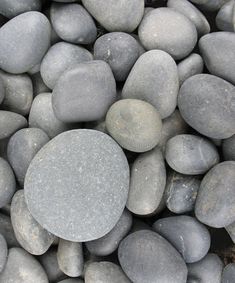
[224,18]
[12,8]
[190,11]
[62,179]
[228,147]
[147,183]
[116,15]
[3,252]
[190,154]
[22,267]
[210,5]
[207,270]
[146,257]
[73,23]
[7,231]
[207,104]
[7,183]
[216,196]
[218,54]
[38,84]
[2,90]
[109,243]
[186,234]
[105,272]
[25,38]
[84,93]
[70,258]
[135,124]
[21,149]
[190,66]
[31,236]
[181,192]
[154,78]
[228,274]
[59,58]
[168,30]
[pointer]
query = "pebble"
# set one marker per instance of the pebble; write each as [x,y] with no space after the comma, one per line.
[228,148]
[73,23]
[224,19]
[38,84]
[207,270]
[168,30]
[216,196]
[7,183]
[120,50]
[186,234]
[2,90]
[6,230]
[70,258]
[154,78]
[105,272]
[72,281]
[18,93]
[59,58]
[42,116]
[84,93]
[25,37]
[135,124]
[12,8]
[67,162]
[210,5]
[31,236]
[190,154]
[181,192]
[22,267]
[3,253]
[147,183]
[116,16]
[190,11]
[21,149]
[218,54]
[207,104]
[109,243]
[146,257]
[190,66]
[228,273]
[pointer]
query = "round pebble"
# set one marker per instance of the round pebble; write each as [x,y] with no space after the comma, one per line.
[59,58]
[228,273]
[73,23]
[116,16]
[66,165]
[146,257]
[224,18]
[210,5]
[168,30]
[154,78]
[207,104]
[147,183]
[216,196]
[25,37]
[134,124]
[186,234]
[190,154]
[228,147]
[3,252]
[84,93]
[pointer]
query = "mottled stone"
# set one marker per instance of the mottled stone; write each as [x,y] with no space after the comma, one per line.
[228,148]
[3,252]
[228,274]
[25,37]
[12,8]
[216,196]
[207,104]
[154,78]
[224,19]
[7,231]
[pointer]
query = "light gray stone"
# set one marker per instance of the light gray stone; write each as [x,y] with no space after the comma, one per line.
[210,5]
[228,274]
[12,8]
[225,17]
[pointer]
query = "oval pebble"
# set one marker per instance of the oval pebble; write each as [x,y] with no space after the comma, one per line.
[217,52]
[109,243]
[207,270]
[116,16]
[147,81]
[190,154]
[59,58]
[224,18]
[22,267]
[67,162]
[120,50]
[146,257]
[210,5]
[30,33]
[31,236]
[228,274]
[73,23]
[3,252]
[12,8]
[105,272]
[207,104]
[7,231]
[186,234]
[216,196]
[168,30]
[181,192]
[147,183]
[134,124]
[228,148]
[84,93]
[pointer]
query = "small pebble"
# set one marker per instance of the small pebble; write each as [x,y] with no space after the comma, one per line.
[224,18]
[210,5]
[228,275]
[228,148]
[3,252]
